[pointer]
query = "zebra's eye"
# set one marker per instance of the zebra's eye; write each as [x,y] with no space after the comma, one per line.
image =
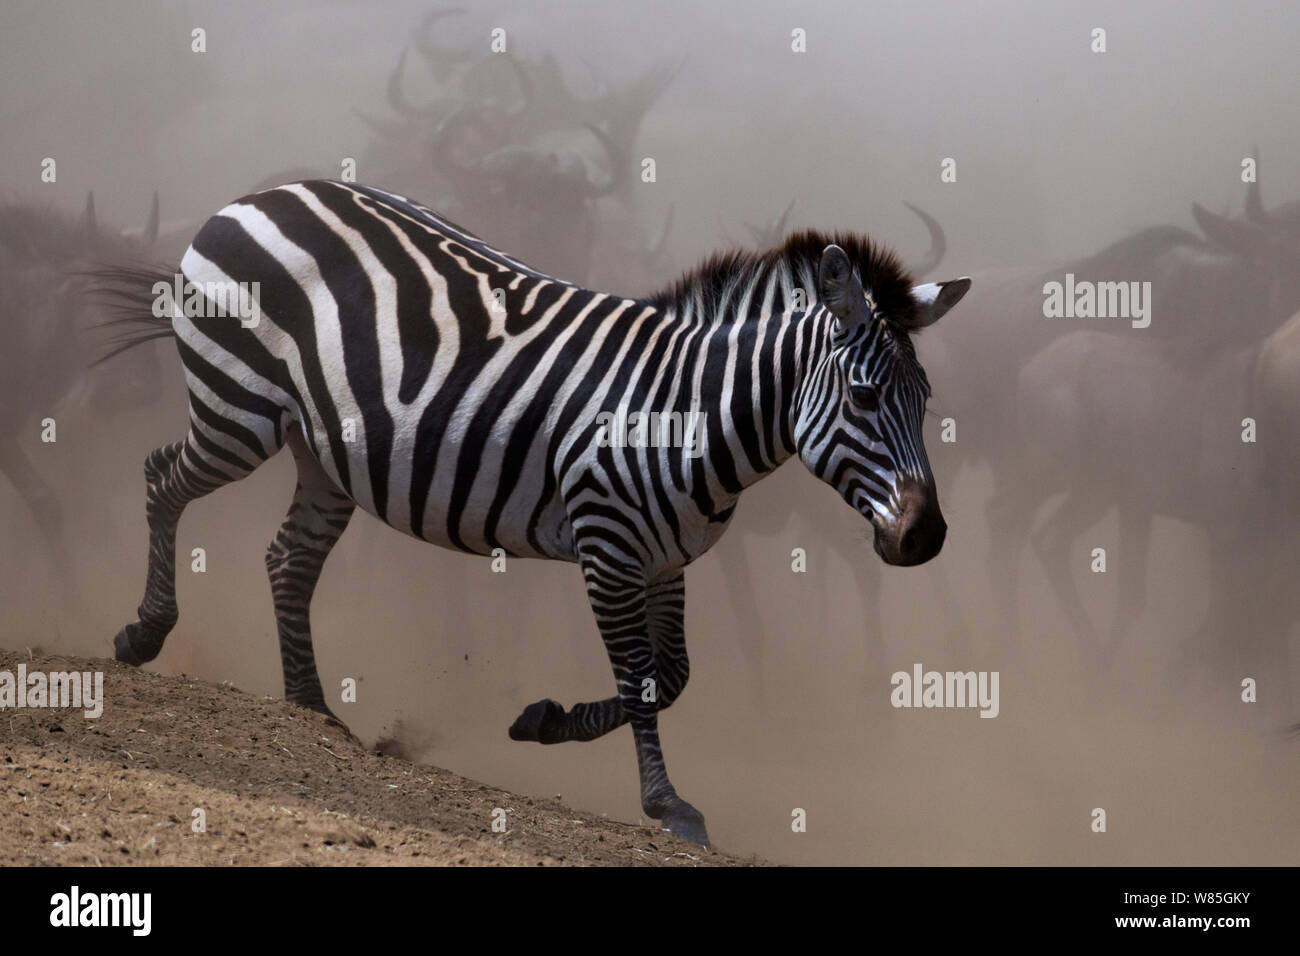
[865,397]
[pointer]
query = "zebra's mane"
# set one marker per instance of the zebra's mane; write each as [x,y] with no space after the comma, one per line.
[719,277]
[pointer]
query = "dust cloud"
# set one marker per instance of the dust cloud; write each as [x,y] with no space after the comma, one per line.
[1130,704]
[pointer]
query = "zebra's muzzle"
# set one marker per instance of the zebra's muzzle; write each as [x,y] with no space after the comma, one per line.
[919,531]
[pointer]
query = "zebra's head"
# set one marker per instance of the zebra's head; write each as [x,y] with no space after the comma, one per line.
[858,425]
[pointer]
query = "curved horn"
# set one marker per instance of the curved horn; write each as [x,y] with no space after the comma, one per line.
[625,109]
[151,224]
[658,242]
[598,85]
[778,227]
[938,243]
[438,59]
[558,104]
[526,92]
[1255,211]
[775,230]
[91,226]
[616,164]
[1242,238]
[643,92]
[397,96]
[386,129]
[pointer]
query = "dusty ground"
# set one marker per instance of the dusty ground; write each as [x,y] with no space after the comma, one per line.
[278,785]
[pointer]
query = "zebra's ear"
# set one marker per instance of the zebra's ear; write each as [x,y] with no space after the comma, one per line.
[838,288]
[935,298]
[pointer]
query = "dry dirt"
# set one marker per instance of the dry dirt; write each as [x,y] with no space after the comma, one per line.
[279,785]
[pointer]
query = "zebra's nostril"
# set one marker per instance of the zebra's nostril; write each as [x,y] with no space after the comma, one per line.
[908,541]
[920,536]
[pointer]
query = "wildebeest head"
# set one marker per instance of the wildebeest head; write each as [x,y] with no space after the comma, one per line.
[504,147]
[532,199]
[1265,248]
[47,315]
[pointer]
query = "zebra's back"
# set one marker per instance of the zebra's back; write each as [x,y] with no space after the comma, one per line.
[432,376]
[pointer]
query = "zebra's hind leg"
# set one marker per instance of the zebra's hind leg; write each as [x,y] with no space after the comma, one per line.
[317,517]
[175,475]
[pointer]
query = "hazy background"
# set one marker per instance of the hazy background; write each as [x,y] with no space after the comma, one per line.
[1059,152]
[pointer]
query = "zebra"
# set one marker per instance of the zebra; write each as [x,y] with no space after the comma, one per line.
[476,387]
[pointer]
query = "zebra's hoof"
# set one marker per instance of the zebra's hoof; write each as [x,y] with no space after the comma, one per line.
[315,701]
[127,642]
[539,722]
[341,727]
[685,822]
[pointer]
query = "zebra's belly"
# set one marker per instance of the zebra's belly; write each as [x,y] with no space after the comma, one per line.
[461,497]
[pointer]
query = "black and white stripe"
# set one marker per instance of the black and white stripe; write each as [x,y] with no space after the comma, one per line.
[477,424]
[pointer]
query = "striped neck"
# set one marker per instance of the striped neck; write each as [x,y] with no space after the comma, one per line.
[749,349]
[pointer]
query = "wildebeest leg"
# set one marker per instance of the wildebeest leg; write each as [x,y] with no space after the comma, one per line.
[1130,563]
[868,577]
[738,572]
[1275,622]
[1010,516]
[1282,562]
[316,519]
[1053,543]
[548,722]
[40,499]
[955,632]
[1246,629]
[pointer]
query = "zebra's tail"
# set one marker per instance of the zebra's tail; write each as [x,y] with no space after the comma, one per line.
[127,294]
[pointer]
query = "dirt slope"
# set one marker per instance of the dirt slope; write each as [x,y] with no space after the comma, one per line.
[277,784]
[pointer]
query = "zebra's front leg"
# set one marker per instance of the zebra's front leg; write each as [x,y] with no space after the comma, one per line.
[547,722]
[642,628]
[665,603]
